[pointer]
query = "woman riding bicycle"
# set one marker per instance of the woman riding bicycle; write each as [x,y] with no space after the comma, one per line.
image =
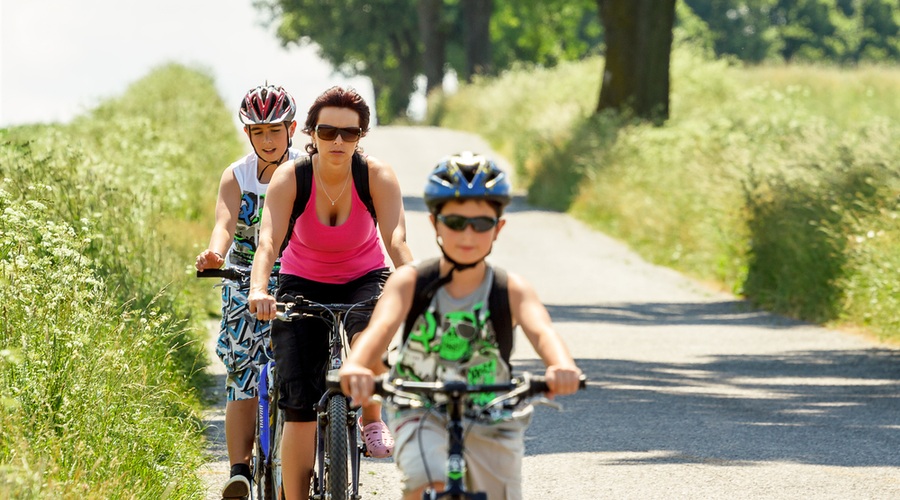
[456,328]
[333,255]
[267,113]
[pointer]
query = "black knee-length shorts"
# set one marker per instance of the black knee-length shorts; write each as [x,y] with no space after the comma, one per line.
[301,346]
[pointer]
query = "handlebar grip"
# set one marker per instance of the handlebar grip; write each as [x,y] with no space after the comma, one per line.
[227,273]
[539,384]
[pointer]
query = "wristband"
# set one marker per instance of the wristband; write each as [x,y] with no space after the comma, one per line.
[220,255]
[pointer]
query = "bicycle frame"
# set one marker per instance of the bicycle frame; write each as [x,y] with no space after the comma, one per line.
[517,391]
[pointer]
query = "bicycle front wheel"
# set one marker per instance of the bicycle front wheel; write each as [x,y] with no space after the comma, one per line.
[336,448]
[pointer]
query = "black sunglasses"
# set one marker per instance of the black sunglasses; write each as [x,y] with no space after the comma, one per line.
[459,223]
[330,133]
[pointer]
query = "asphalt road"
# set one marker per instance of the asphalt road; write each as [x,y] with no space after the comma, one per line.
[692,394]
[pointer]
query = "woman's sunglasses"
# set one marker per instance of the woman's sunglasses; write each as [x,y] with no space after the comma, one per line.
[330,133]
[459,223]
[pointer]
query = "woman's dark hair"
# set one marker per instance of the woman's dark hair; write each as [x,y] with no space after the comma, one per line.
[336,97]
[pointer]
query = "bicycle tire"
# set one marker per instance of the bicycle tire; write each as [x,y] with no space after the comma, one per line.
[277,424]
[336,449]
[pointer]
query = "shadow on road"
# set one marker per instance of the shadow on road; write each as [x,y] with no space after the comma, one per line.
[730,312]
[839,408]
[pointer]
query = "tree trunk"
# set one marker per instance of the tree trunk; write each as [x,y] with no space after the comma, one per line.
[434,39]
[638,48]
[477,36]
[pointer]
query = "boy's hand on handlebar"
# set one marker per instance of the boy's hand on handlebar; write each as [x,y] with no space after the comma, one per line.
[209,260]
[358,382]
[263,304]
[562,379]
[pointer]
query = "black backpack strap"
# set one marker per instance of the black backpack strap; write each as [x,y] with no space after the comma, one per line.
[426,273]
[360,170]
[303,172]
[501,315]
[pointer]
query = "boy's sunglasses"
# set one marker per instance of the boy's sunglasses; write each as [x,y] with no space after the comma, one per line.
[459,223]
[330,133]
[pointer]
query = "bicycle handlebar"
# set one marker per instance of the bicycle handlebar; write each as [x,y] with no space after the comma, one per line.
[524,386]
[229,273]
[292,307]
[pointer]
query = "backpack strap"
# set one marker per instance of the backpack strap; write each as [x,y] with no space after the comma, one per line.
[303,173]
[501,315]
[360,170]
[426,273]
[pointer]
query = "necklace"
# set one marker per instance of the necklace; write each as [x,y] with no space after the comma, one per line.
[332,200]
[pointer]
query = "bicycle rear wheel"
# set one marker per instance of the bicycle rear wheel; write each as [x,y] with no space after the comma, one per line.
[336,449]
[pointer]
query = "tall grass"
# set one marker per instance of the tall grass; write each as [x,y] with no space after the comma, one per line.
[778,183]
[100,350]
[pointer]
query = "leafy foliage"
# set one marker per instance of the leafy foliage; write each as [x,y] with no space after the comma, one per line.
[844,31]
[358,37]
[100,352]
[381,39]
[779,183]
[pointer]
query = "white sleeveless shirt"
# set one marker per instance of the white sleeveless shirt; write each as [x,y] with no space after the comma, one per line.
[253,197]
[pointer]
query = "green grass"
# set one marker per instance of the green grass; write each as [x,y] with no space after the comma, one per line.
[778,183]
[101,351]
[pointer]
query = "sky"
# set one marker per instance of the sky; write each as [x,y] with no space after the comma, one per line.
[60,58]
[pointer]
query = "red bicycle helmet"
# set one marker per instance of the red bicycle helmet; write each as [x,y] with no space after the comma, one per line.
[267,104]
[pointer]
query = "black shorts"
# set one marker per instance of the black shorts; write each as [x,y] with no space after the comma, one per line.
[301,346]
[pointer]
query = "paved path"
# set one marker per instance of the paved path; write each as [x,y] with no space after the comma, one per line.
[692,394]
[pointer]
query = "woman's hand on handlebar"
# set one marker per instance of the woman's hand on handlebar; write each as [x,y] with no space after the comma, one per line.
[263,304]
[209,260]
[358,382]
[562,379]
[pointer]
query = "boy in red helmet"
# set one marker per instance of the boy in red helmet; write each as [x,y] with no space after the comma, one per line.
[267,113]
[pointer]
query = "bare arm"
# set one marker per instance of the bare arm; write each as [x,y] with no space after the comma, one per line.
[228,205]
[357,372]
[529,313]
[388,201]
[275,219]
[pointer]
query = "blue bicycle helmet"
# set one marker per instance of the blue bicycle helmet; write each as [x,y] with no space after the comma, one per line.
[466,176]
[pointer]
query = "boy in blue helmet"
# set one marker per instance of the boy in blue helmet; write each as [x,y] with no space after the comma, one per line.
[459,314]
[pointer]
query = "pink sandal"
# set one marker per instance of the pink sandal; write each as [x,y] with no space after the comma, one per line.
[378,439]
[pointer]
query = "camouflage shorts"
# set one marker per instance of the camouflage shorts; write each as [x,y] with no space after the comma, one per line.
[244,344]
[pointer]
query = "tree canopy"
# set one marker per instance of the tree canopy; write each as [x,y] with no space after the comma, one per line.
[393,42]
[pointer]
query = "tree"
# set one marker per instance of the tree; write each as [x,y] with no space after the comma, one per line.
[394,41]
[433,31]
[476,15]
[638,48]
[358,38]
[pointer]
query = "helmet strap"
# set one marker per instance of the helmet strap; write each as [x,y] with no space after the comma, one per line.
[432,287]
[269,163]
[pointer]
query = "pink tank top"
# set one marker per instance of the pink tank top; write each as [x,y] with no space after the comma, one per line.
[334,254]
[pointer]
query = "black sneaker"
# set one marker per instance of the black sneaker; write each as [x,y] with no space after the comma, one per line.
[238,487]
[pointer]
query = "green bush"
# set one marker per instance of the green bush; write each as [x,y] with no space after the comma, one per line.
[777,182]
[101,349]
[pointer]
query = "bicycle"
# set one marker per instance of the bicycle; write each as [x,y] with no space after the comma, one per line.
[338,447]
[517,391]
[265,464]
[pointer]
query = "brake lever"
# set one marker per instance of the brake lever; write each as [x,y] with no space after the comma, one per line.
[545,401]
